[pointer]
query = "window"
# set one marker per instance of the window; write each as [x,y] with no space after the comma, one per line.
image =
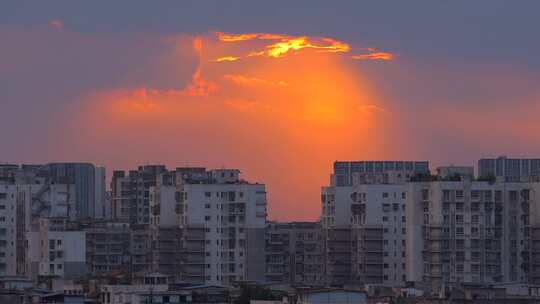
[513,196]
[459,230]
[207,206]
[425,194]
[385,195]
[460,268]
[385,218]
[446,195]
[208,194]
[459,218]
[207,218]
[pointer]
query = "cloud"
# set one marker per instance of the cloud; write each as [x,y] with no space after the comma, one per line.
[227,58]
[56,24]
[244,80]
[283,45]
[374,56]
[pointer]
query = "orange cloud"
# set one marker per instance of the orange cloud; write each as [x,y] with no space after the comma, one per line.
[374,56]
[286,44]
[57,24]
[227,58]
[243,80]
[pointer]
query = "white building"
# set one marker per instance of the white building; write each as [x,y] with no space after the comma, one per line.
[231,212]
[370,215]
[57,251]
[25,199]
[471,232]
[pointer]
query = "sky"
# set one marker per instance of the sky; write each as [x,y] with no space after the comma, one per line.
[278,89]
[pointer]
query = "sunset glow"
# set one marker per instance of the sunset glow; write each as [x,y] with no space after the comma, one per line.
[293,104]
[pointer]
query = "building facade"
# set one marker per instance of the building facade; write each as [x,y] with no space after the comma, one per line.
[471,232]
[364,228]
[130,193]
[230,212]
[294,253]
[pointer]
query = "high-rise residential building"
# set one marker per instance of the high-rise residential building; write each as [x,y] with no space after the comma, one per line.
[89,185]
[27,197]
[14,223]
[345,170]
[364,230]
[461,232]
[294,253]
[108,248]
[213,213]
[509,169]
[130,193]
[56,250]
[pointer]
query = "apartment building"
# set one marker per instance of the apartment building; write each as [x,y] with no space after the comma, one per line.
[57,250]
[510,169]
[294,253]
[379,230]
[130,193]
[14,222]
[25,198]
[471,232]
[89,184]
[108,248]
[230,211]
[180,253]
[364,230]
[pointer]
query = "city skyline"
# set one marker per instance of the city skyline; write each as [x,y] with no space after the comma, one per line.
[276,89]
